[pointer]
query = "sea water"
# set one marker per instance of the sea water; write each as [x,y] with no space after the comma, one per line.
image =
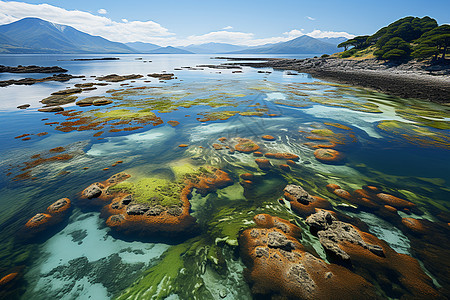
[410,160]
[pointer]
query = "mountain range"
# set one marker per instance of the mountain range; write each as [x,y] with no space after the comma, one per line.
[301,45]
[34,35]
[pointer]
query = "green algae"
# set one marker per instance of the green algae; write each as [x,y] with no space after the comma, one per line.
[155,191]
[346,103]
[217,115]
[180,170]
[126,114]
[414,134]
[156,282]
[323,132]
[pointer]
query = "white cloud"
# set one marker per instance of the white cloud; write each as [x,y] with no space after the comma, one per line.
[102,11]
[310,18]
[142,31]
[294,33]
[318,34]
[145,31]
[330,34]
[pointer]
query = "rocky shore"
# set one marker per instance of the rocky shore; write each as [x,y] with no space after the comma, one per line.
[30,81]
[31,69]
[408,80]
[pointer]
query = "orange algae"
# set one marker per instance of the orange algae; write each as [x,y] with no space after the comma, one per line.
[8,278]
[217,146]
[173,123]
[57,150]
[246,146]
[328,155]
[37,220]
[287,156]
[337,125]
[268,137]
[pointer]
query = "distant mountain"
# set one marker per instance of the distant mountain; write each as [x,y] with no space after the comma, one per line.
[335,41]
[169,50]
[301,45]
[33,35]
[142,47]
[208,48]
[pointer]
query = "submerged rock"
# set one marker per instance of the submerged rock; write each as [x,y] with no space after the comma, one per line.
[328,155]
[268,138]
[287,156]
[162,76]
[263,164]
[118,78]
[246,146]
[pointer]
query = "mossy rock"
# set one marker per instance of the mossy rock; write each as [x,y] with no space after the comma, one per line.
[155,191]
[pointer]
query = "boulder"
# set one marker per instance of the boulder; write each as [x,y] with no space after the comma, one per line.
[93,191]
[59,206]
[294,192]
[332,232]
[137,209]
[280,268]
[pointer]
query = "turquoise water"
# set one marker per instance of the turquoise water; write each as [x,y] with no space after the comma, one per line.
[399,145]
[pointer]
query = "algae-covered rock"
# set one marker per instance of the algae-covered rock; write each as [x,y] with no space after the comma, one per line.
[278,266]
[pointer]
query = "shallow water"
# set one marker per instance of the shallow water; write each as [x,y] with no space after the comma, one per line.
[401,146]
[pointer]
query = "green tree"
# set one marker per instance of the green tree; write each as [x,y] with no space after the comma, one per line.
[433,43]
[408,29]
[396,48]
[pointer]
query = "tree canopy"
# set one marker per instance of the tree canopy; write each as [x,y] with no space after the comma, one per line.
[410,36]
[433,43]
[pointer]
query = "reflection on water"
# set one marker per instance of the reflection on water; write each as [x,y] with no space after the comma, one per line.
[399,147]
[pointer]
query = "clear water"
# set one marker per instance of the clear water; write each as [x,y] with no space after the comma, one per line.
[409,159]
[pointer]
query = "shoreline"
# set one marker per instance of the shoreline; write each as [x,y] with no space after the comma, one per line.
[410,80]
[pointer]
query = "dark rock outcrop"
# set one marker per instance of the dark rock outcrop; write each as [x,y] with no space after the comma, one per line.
[31,69]
[30,81]
[280,268]
[118,78]
[93,191]
[294,192]
[331,232]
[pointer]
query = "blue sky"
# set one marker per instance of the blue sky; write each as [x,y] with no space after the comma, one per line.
[181,22]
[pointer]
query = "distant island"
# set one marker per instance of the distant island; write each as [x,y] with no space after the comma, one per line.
[34,35]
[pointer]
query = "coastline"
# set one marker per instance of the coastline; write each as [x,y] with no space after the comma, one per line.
[409,80]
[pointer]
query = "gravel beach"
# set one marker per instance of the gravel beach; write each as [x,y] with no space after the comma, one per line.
[408,80]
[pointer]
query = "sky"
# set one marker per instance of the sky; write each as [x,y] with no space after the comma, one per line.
[243,22]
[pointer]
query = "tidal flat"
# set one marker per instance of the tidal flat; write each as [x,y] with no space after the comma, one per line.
[216,184]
